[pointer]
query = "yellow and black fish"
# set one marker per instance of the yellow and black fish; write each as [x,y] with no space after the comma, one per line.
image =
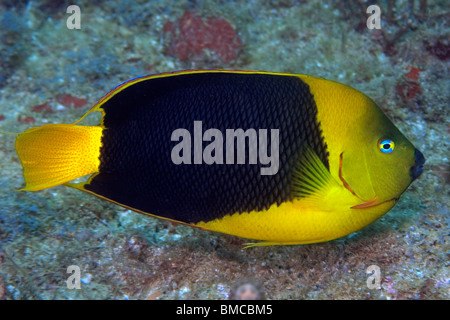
[338,162]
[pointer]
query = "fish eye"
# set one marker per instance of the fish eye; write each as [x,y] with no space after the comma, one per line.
[386,145]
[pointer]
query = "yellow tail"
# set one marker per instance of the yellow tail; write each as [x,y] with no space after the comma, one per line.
[58,153]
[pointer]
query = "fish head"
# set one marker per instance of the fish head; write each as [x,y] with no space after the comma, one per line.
[377,162]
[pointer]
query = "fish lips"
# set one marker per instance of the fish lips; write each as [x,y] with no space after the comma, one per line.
[417,169]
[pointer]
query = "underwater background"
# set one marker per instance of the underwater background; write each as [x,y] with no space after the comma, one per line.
[53,73]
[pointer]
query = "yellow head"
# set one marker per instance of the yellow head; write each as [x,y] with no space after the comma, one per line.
[368,155]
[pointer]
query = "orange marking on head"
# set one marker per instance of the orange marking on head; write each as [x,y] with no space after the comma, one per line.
[346,185]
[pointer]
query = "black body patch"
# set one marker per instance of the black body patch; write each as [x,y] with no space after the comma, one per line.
[136,169]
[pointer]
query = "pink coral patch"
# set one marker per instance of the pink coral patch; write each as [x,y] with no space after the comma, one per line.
[191,35]
[68,101]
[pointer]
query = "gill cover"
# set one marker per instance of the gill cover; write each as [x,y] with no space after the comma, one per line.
[371,172]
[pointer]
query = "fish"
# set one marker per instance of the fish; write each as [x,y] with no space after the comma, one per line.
[277,158]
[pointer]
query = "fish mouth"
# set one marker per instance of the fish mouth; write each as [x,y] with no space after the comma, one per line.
[372,203]
[417,169]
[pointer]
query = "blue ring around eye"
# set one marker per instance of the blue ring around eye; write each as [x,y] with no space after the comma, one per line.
[387,146]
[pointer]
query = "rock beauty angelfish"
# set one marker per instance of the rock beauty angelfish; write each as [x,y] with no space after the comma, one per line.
[338,162]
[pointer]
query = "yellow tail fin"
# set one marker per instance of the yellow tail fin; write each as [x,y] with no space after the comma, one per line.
[58,153]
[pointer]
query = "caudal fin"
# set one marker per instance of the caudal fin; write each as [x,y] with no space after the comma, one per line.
[58,153]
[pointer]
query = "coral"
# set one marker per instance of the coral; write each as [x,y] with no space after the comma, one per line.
[26,119]
[410,87]
[44,107]
[407,90]
[193,37]
[64,99]
[413,73]
[70,101]
[440,48]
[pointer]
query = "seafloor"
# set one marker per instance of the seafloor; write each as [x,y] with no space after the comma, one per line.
[52,74]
